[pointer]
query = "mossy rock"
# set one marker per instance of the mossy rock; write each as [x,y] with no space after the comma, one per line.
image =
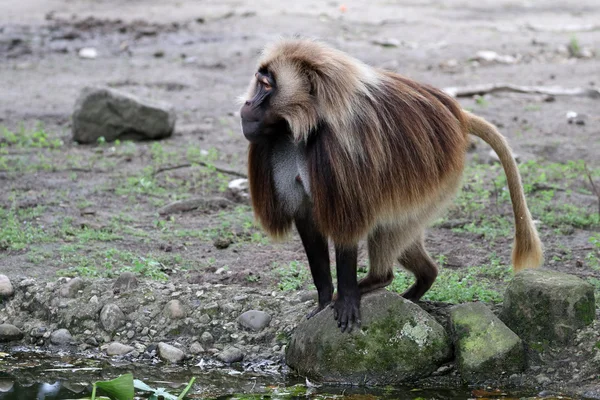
[398,342]
[485,347]
[548,307]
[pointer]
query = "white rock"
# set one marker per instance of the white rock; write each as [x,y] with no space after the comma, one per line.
[88,52]
[238,185]
[6,288]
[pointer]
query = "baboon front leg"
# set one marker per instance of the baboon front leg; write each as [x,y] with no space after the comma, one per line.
[416,260]
[346,307]
[317,252]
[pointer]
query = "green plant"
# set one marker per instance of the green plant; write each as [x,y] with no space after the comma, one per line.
[292,276]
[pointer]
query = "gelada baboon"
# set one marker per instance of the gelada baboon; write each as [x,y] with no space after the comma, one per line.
[345,152]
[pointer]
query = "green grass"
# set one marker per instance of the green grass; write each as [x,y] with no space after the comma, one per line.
[28,138]
[111,263]
[551,190]
[475,283]
[293,276]
[19,228]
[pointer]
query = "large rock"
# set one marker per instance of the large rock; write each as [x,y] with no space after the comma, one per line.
[174,310]
[546,307]
[170,353]
[72,288]
[485,347]
[398,342]
[230,355]
[112,114]
[111,317]
[9,333]
[126,282]
[254,320]
[61,337]
[118,349]
[6,288]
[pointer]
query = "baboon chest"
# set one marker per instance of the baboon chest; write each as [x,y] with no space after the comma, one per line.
[290,174]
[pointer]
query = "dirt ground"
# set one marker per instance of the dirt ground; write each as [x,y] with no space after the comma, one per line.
[199,56]
[92,210]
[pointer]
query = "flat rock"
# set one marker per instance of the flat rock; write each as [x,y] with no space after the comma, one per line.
[170,353]
[398,342]
[71,288]
[118,349]
[254,320]
[113,114]
[6,288]
[9,333]
[485,347]
[126,282]
[230,355]
[545,306]
[174,310]
[61,337]
[111,317]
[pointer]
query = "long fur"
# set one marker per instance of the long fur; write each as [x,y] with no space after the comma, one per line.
[381,149]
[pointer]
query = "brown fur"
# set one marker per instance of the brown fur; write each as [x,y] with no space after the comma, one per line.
[384,153]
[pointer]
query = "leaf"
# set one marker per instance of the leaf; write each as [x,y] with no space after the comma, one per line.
[187,388]
[142,386]
[120,388]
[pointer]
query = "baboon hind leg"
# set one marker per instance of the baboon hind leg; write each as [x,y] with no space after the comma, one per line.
[385,244]
[416,260]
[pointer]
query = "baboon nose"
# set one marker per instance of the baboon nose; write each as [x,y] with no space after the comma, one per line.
[247,102]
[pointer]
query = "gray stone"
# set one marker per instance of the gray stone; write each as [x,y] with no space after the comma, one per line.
[111,317]
[118,349]
[207,338]
[230,355]
[170,353]
[397,342]
[71,288]
[9,333]
[485,347]
[126,282]
[548,307]
[113,114]
[174,310]
[254,320]
[6,288]
[196,348]
[61,337]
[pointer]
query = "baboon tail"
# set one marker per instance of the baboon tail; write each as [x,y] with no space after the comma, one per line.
[527,249]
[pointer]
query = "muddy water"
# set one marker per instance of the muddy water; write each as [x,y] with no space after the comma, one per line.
[26,376]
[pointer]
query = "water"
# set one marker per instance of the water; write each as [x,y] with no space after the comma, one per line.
[34,376]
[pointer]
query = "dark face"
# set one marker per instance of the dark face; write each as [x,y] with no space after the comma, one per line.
[259,122]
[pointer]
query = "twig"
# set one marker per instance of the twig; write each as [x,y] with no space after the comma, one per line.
[467,91]
[594,188]
[187,165]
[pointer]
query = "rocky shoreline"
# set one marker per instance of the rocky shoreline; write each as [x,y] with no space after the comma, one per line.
[220,325]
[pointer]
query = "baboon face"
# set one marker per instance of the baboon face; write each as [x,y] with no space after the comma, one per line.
[260,121]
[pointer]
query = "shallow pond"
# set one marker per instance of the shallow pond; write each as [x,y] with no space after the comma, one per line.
[26,376]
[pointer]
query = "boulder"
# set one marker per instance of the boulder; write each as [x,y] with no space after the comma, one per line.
[71,288]
[118,349]
[112,114]
[126,282]
[254,320]
[543,306]
[61,337]
[9,333]
[111,317]
[230,355]
[484,346]
[398,342]
[174,310]
[170,353]
[6,288]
